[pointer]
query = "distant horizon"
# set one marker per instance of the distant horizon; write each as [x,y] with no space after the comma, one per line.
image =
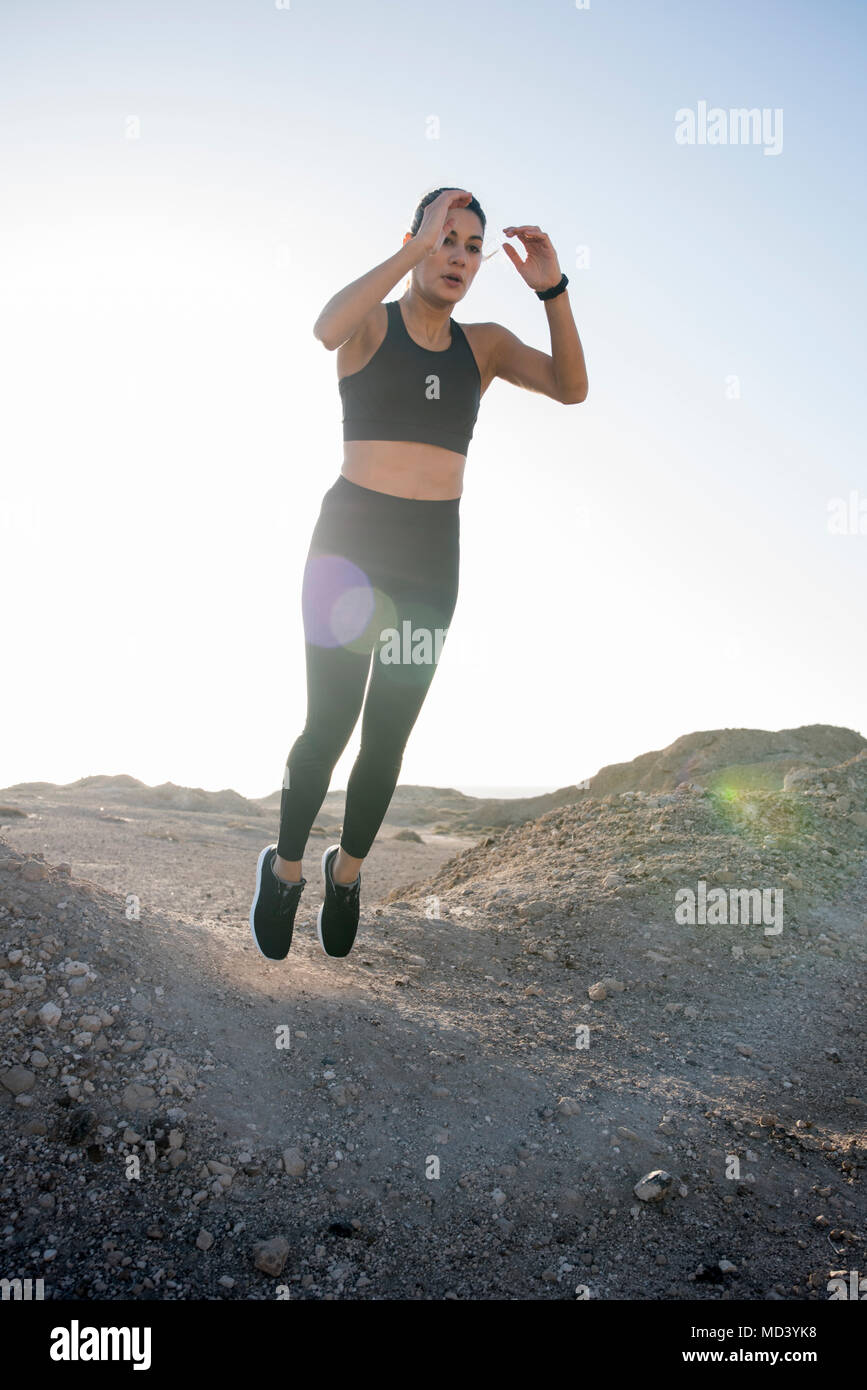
[483,791]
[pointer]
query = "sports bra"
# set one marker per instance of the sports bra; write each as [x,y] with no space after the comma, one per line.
[408,392]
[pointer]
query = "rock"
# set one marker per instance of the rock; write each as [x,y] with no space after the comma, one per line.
[17,1080]
[611,985]
[49,1014]
[597,992]
[204,1240]
[270,1255]
[34,871]
[859,818]
[498,1196]
[744,1050]
[293,1163]
[567,1106]
[138,1097]
[653,1186]
[726,1267]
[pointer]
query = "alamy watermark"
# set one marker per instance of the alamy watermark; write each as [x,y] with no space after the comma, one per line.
[737,906]
[713,125]
[847,516]
[411,646]
[23,1290]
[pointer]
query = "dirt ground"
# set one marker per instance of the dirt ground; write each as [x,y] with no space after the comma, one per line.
[447,1113]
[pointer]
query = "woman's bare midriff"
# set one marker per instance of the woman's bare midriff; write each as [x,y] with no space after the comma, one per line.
[404,468]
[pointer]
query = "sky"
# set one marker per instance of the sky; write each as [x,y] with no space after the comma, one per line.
[186,184]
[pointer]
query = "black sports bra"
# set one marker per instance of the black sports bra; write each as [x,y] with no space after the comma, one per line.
[413,393]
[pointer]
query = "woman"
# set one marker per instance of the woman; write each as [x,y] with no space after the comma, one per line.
[382,569]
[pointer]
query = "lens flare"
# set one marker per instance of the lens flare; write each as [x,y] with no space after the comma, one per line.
[341,607]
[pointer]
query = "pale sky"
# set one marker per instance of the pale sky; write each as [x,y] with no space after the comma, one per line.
[186,184]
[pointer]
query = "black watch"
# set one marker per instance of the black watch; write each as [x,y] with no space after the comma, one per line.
[555,289]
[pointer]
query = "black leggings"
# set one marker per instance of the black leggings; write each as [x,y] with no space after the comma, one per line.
[381,578]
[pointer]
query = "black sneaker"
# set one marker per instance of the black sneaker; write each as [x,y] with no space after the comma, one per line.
[272,915]
[337,922]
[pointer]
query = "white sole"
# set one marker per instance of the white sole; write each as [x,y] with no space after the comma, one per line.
[259,867]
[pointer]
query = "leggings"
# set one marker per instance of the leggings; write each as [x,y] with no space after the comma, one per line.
[379,590]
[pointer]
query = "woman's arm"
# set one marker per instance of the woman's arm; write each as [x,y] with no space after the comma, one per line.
[563,375]
[347,309]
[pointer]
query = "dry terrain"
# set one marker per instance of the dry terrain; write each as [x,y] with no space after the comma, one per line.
[466,1105]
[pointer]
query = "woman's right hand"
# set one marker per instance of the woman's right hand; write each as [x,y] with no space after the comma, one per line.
[436,222]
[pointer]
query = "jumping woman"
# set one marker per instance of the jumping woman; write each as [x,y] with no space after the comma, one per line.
[381,574]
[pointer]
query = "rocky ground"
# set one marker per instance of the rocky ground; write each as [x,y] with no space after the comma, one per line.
[471,1104]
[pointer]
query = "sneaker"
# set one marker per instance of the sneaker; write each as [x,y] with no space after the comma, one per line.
[337,922]
[272,915]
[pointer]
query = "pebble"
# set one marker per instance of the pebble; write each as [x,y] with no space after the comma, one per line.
[597,992]
[270,1255]
[653,1186]
[293,1163]
[139,1097]
[17,1080]
[34,871]
[204,1240]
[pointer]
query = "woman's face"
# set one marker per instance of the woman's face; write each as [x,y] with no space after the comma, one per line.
[449,272]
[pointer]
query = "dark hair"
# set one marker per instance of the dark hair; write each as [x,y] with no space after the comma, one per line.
[471,206]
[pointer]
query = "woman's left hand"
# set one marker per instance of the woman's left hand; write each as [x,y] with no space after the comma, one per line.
[541,270]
